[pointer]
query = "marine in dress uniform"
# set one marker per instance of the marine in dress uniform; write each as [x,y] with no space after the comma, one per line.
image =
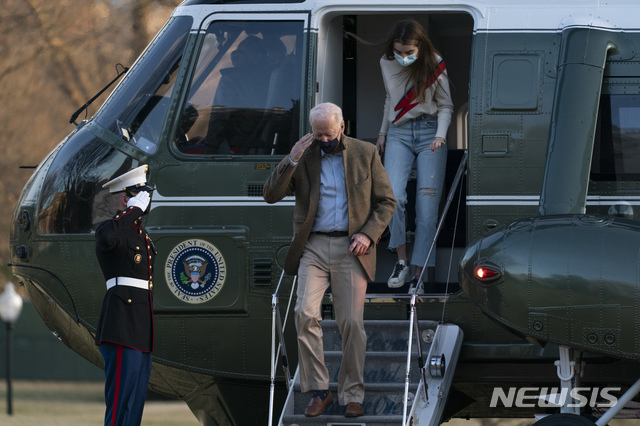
[125,329]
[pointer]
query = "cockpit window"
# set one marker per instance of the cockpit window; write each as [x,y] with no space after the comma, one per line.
[244,97]
[72,200]
[137,109]
[616,154]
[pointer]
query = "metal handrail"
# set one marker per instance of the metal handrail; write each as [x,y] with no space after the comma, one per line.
[277,326]
[406,379]
[413,317]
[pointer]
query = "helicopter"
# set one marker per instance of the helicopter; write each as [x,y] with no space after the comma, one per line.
[536,264]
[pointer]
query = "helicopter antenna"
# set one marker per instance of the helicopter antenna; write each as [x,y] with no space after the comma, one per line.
[90,101]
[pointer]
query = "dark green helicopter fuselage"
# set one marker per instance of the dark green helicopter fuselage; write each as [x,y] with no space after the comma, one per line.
[545,114]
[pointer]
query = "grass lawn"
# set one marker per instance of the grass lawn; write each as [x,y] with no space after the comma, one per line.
[44,403]
[78,403]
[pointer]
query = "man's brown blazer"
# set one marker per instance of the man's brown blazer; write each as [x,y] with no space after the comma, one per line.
[369,197]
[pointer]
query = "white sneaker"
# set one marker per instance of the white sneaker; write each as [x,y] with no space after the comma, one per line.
[400,272]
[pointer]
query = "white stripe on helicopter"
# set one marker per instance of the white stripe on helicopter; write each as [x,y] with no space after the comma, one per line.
[159,200]
[533,200]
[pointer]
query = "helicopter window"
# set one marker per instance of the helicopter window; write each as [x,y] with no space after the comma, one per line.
[616,154]
[72,199]
[244,97]
[138,107]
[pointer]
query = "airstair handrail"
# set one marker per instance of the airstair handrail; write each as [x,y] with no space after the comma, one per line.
[413,328]
[408,370]
[278,326]
[413,317]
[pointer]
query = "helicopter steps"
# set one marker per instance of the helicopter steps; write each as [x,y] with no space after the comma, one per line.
[384,374]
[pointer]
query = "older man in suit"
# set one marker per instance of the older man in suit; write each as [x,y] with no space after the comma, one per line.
[344,201]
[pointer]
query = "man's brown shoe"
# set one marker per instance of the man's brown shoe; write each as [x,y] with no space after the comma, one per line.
[316,405]
[354,409]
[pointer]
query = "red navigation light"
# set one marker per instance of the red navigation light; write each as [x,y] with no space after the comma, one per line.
[485,272]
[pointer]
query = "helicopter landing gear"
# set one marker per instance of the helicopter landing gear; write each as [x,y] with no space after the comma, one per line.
[569,369]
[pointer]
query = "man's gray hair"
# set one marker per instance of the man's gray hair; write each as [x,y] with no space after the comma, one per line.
[326,111]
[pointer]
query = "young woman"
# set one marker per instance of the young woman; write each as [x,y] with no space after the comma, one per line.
[417,114]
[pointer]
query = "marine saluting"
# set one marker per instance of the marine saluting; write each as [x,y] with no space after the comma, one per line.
[125,329]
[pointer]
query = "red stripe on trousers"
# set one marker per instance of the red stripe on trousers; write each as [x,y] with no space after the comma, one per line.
[114,412]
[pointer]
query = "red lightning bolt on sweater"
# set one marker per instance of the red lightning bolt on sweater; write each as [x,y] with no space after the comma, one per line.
[406,103]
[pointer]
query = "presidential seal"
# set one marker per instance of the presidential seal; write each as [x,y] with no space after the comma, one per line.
[195,271]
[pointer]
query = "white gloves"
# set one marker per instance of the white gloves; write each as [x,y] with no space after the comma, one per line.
[141,200]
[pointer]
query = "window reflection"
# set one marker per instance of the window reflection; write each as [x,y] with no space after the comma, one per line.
[245,94]
[72,199]
[616,154]
[137,109]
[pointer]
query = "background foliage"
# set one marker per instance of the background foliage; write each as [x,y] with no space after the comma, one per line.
[56,55]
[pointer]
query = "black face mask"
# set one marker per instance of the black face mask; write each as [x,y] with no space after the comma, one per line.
[329,146]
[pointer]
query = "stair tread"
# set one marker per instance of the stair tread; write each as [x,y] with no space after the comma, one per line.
[329,418]
[383,336]
[384,371]
[368,387]
[377,354]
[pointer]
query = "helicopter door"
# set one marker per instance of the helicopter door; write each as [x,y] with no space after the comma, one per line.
[218,239]
[348,73]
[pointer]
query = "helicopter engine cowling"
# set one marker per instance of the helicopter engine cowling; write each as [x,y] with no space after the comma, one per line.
[572,280]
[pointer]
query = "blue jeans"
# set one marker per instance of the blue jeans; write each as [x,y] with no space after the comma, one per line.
[405,143]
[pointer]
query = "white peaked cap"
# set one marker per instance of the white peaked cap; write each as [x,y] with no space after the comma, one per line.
[131,179]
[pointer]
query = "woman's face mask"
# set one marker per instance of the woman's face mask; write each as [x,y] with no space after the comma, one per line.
[407,60]
[405,54]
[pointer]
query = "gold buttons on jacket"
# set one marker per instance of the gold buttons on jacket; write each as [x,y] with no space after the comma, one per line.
[129,301]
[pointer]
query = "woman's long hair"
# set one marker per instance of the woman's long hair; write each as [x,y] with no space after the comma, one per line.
[410,32]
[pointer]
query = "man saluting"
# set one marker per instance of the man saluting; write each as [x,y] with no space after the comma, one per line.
[125,329]
[344,201]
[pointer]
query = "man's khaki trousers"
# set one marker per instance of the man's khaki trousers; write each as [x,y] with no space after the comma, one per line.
[326,262]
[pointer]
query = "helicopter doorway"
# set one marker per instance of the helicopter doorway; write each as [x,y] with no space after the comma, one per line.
[348,74]
[348,70]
